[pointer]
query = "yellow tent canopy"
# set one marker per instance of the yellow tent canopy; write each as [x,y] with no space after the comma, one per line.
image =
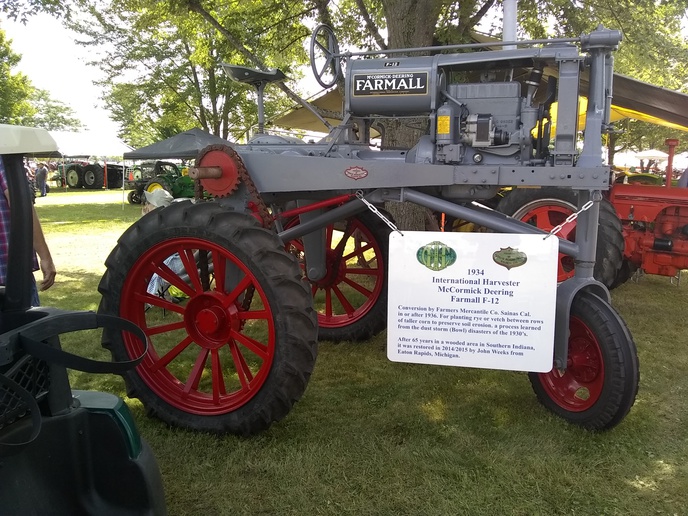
[618,113]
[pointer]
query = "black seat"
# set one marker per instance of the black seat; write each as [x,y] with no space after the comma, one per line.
[253,76]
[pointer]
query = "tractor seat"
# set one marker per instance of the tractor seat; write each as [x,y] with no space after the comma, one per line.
[252,76]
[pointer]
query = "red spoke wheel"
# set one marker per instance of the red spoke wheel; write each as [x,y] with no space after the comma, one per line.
[351,300]
[231,326]
[600,382]
[546,208]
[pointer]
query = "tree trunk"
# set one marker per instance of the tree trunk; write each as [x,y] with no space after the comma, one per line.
[404,133]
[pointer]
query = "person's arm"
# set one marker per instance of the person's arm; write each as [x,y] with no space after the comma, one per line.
[45,259]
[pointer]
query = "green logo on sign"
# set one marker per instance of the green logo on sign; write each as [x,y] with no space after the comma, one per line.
[509,257]
[436,256]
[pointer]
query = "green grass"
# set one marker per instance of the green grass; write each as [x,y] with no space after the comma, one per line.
[375,437]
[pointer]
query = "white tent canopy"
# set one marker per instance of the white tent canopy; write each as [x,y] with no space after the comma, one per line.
[89,143]
[657,155]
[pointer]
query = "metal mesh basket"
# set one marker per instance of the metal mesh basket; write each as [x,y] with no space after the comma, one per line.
[29,373]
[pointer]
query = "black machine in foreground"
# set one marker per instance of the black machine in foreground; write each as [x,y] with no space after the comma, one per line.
[62,451]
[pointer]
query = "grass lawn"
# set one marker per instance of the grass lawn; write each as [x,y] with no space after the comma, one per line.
[375,437]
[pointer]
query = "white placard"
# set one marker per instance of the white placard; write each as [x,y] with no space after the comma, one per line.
[483,300]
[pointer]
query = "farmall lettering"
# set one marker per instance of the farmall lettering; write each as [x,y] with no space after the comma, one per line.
[391,84]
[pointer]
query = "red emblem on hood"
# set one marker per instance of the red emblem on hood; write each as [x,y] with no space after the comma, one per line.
[356,173]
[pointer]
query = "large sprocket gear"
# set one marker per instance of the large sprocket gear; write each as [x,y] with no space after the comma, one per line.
[233,173]
[224,157]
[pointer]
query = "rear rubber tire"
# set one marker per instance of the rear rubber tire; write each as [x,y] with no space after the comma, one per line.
[74,176]
[214,364]
[600,384]
[352,298]
[547,207]
[93,177]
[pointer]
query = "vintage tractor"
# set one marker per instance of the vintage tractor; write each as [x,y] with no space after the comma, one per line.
[151,176]
[226,289]
[62,451]
[92,176]
[655,225]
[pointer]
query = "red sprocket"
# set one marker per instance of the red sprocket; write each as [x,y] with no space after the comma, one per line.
[226,158]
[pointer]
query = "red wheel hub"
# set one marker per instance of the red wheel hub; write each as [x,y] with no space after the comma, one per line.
[578,387]
[209,322]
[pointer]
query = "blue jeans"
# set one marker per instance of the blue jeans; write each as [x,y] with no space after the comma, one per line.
[34,293]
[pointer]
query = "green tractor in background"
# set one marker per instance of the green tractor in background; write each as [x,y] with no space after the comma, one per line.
[155,175]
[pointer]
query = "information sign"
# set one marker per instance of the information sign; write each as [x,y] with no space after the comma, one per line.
[483,300]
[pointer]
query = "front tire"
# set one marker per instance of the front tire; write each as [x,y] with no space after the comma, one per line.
[599,386]
[233,335]
[133,197]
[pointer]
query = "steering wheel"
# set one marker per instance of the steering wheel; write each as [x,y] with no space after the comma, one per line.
[324,46]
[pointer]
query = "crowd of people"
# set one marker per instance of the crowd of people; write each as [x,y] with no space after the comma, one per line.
[37,174]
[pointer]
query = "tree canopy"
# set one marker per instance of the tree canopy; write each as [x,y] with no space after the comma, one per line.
[22,103]
[161,60]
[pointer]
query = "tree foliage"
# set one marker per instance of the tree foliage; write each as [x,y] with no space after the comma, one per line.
[653,49]
[161,62]
[50,114]
[22,103]
[15,88]
[22,9]
[163,75]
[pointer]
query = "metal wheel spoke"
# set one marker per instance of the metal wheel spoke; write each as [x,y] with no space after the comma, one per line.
[253,314]
[237,291]
[252,345]
[189,261]
[197,372]
[219,388]
[243,371]
[164,328]
[360,288]
[160,302]
[346,235]
[358,251]
[163,361]
[321,46]
[364,272]
[328,302]
[329,232]
[172,278]
[344,301]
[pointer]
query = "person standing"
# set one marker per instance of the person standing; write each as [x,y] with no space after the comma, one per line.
[41,259]
[41,178]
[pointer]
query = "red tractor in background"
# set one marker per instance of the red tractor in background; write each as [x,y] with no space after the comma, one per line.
[653,220]
[655,224]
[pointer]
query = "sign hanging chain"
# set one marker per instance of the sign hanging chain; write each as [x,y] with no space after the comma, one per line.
[569,219]
[373,208]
